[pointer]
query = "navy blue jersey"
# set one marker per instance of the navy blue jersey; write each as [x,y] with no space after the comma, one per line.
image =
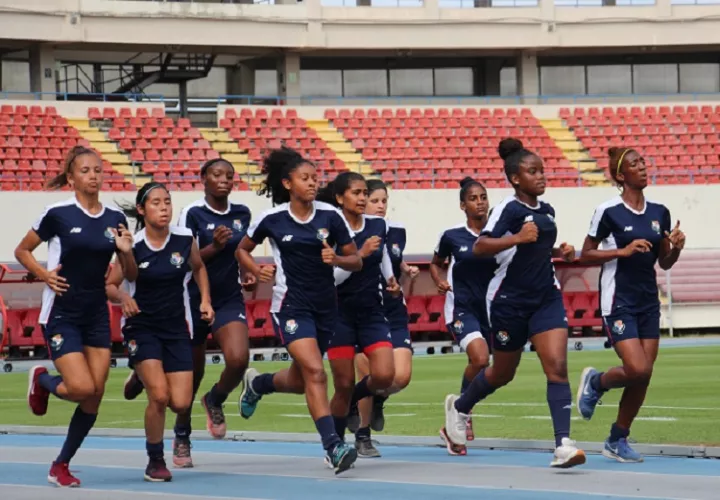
[84,245]
[302,280]
[468,274]
[629,284]
[396,241]
[160,289]
[525,271]
[222,268]
[363,289]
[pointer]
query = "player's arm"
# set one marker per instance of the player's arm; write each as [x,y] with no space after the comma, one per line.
[498,234]
[671,245]
[200,276]
[117,295]
[24,255]
[350,260]
[124,251]
[440,255]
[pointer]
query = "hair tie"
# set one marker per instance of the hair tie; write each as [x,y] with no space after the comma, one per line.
[620,160]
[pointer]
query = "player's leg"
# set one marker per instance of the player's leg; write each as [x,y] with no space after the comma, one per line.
[341,354]
[182,457]
[510,328]
[360,415]
[152,374]
[232,336]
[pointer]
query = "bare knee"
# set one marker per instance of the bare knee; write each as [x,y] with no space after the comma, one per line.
[158,398]
[382,376]
[500,377]
[180,404]
[402,379]
[80,390]
[314,375]
[638,372]
[237,362]
[556,370]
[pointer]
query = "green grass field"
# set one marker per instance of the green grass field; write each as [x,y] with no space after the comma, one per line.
[682,404]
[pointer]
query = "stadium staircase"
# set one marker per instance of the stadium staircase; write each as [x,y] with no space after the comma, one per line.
[574,151]
[343,149]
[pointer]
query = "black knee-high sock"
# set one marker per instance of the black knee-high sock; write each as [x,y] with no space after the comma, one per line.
[465,384]
[80,426]
[155,451]
[216,397]
[560,402]
[263,384]
[478,390]
[50,382]
[361,391]
[326,428]
[340,426]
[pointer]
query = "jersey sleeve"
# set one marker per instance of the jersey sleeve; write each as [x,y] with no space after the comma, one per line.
[501,221]
[258,230]
[340,230]
[600,224]
[46,225]
[187,220]
[666,223]
[443,249]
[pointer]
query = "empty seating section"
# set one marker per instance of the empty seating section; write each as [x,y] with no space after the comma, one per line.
[680,143]
[33,144]
[158,146]
[436,148]
[253,133]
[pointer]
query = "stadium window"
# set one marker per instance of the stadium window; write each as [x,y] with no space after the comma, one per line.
[454,81]
[609,79]
[411,82]
[699,77]
[365,82]
[655,78]
[266,84]
[321,83]
[562,80]
[508,81]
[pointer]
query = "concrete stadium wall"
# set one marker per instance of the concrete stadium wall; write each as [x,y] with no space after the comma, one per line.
[425,213]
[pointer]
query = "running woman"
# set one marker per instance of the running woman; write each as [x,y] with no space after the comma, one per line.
[303,235]
[635,234]
[524,302]
[156,316]
[82,235]
[465,289]
[369,413]
[218,226]
[362,321]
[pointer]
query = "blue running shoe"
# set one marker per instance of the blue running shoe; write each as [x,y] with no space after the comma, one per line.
[621,451]
[587,398]
[249,399]
[341,458]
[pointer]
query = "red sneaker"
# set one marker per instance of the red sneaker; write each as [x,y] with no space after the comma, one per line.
[215,416]
[59,475]
[157,472]
[469,432]
[37,395]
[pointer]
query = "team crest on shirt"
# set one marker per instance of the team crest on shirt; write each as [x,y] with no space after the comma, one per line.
[503,337]
[323,234]
[237,225]
[458,327]
[655,225]
[395,250]
[176,259]
[109,233]
[291,326]
[618,327]
[56,342]
[132,348]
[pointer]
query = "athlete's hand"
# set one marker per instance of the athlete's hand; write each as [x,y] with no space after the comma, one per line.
[207,313]
[676,237]
[248,281]
[393,287]
[528,233]
[221,236]
[123,238]
[267,274]
[371,245]
[129,306]
[636,246]
[57,283]
[412,271]
[568,252]
[328,254]
[444,287]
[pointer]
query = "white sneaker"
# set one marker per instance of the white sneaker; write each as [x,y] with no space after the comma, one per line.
[455,422]
[568,455]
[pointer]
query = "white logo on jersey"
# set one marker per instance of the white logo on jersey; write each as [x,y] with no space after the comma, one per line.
[144,265]
[287,237]
[210,226]
[463,248]
[628,229]
[552,219]
[75,230]
[529,218]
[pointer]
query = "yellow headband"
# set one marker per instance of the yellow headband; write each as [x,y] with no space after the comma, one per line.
[620,161]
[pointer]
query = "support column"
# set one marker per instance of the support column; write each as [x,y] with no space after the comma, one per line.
[363,3]
[42,71]
[288,78]
[528,77]
[240,81]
